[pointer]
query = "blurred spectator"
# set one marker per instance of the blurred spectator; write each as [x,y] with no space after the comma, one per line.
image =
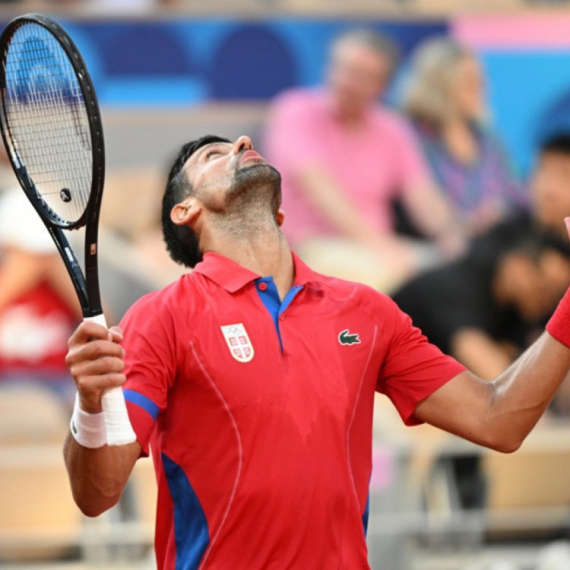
[549,196]
[445,100]
[38,305]
[550,185]
[470,288]
[344,158]
[485,309]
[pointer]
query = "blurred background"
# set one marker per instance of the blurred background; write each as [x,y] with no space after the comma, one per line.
[425,150]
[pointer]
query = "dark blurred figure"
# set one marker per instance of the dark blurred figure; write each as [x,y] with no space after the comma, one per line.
[344,157]
[490,277]
[445,100]
[487,307]
[485,310]
[550,186]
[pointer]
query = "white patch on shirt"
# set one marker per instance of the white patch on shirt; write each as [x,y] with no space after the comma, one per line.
[238,342]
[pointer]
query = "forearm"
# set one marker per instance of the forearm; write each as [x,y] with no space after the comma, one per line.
[325,195]
[499,414]
[432,213]
[521,394]
[97,472]
[98,476]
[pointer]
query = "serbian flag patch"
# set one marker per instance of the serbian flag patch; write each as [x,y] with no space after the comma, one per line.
[238,342]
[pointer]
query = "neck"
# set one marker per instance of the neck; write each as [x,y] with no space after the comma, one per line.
[254,242]
[349,115]
[351,119]
[459,139]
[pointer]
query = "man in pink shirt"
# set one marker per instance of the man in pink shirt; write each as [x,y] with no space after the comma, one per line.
[344,158]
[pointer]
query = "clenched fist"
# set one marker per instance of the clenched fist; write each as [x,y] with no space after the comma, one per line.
[95,360]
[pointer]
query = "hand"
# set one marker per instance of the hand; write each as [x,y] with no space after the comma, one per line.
[452,244]
[95,360]
[489,213]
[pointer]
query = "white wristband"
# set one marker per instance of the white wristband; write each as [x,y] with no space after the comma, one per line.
[88,429]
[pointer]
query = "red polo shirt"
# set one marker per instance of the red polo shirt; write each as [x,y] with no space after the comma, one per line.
[259,412]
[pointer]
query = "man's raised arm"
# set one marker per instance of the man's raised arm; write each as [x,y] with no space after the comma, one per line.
[501,413]
[97,472]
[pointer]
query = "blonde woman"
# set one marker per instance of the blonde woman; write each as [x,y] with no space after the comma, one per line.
[444,98]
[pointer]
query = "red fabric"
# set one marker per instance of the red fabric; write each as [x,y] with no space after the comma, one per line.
[413,368]
[370,165]
[33,333]
[276,449]
[559,324]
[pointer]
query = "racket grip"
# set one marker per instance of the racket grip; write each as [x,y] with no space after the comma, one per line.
[117,423]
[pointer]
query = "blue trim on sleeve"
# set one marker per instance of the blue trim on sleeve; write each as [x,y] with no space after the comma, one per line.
[191,533]
[366,514]
[143,402]
[270,298]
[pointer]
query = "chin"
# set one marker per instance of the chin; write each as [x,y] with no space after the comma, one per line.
[258,172]
[254,181]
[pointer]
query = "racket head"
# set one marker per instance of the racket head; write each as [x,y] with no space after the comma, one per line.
[50,122]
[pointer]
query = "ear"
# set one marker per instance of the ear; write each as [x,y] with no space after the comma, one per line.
[280,217]
[186,212]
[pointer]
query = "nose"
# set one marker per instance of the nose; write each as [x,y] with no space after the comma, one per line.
[241,144]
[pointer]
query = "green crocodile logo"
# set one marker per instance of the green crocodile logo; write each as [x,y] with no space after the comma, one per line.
[346,338]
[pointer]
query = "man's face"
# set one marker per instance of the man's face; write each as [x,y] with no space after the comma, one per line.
[550,187]
[537,286]
[225,174]
[357,75]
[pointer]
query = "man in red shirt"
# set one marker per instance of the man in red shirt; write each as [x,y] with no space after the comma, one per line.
[253,379]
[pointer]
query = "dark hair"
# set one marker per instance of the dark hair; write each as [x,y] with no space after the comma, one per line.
[559,142]
[181,241]
[552,241]
[515,234]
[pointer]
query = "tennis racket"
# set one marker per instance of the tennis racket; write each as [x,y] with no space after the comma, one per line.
[51,127]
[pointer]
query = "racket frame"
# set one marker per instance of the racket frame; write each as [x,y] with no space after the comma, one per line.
[86,283]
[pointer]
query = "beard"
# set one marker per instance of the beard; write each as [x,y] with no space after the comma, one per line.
[252,190]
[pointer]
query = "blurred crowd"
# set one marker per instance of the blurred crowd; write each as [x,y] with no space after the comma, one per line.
[422,202]
[419,200]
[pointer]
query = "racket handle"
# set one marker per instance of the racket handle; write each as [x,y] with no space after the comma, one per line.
[117,423]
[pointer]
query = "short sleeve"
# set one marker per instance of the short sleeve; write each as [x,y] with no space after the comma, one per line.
[413,368]
[292,137]
[150,366]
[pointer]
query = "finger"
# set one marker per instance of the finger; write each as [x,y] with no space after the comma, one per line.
[92,350]
[567,222]
[116,334]
[103,365]
[89,385]
[86,331]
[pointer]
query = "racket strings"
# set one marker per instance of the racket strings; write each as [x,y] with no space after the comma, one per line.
[48,120]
